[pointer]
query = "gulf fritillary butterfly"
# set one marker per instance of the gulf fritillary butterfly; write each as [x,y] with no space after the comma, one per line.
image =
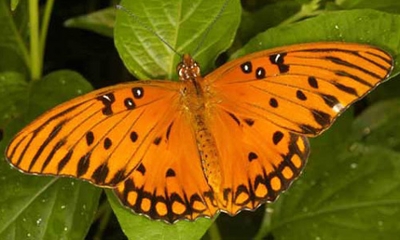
[227,142]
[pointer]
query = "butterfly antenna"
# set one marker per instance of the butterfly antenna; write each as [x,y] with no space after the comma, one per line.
[147,27]
[208,30]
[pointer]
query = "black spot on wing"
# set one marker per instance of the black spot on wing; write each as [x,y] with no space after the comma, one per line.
[133,136]
[249,121]
[300,95]
[330,100]
[157,140]
[107,100]
[307,129]
[107,143]
[246,67]
[322,118]
[138,92]
[277,137]
[170,173]
[234,118]
[260,73]
[252,156]
[169,130]
[279,60]
[100,174]
[129,103]
[346,89]
[118,177]
[273,102]
[83,164]
[64,160]
[312,81]
[141,169]
[89,138]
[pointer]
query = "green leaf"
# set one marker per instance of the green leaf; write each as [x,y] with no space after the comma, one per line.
[376,124]
[182,24]
[140,227]
[351,186]
[392,6]
[357,198]
[40,207]
[101,22]
[372,27]
[14,55]
[269,16]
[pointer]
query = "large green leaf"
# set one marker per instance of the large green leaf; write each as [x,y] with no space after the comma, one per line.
[359,26]
[40,207]
[351,186]
[182,24]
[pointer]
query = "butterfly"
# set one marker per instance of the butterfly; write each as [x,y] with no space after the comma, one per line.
[230,141]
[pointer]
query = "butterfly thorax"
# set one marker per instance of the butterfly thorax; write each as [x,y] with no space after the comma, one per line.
[194,99]
[189,73]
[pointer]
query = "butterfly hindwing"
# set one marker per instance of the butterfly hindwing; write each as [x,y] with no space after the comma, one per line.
[169,184]
[259,160]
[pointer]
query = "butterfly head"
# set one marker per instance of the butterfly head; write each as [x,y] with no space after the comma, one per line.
[188,69]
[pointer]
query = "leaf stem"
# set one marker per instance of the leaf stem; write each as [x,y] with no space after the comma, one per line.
[36,64]
[44,28]
[307,10]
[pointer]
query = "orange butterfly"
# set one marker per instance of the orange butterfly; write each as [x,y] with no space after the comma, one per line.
[227,142]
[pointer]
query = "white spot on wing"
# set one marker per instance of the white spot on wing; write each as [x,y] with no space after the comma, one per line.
[277,57]
[338,107]
[107,97]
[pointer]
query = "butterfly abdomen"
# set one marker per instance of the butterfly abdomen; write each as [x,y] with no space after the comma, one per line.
[208,153]
[194,101]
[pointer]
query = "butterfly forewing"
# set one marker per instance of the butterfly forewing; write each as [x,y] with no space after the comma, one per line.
[302,88]
[98,137]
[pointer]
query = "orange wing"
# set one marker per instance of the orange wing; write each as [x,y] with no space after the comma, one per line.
[302,88]
[265,102]
[132,137]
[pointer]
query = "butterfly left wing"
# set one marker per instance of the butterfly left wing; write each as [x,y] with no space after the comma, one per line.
[95,137]
[302,88]
[169,184]
[132,137]
[266,103]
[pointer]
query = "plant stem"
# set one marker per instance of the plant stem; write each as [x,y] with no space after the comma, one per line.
[307,10]
[36,64]
[213,232]
[44,28]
